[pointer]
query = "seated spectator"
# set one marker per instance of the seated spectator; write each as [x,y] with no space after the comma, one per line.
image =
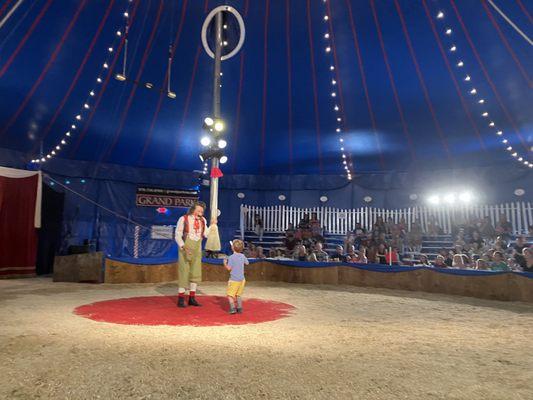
[392,256]
[362,255]
[320,254]
[300,253]
[389,225]
[290,240]
[314,225]
[481,264]
[440,262]
[351,255]
[349,240]
[381,254]
[522,259]
[486,229]
[272,253]
[498,262]
[258,227]
[260,253]
[379,225]
[520,244]
[304,222]
[459,261]
[446,256]
[528,255]
[339,254]
[423,261]
[250,250]
[358,230]
[504,227]
[415,237]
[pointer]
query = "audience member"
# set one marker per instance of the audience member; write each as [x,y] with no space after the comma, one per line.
[440,262]
[339,254]
[319,253]
[258,227]
[498,262]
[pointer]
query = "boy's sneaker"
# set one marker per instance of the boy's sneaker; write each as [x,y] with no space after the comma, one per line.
[239,310]
[232,311]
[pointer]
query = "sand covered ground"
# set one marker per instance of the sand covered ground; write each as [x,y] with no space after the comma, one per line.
[341,343]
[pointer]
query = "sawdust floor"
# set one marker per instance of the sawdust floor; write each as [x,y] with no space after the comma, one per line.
[341,343]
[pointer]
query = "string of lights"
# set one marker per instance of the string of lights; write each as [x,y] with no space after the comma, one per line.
[86,105]
[337,109]
[466,77]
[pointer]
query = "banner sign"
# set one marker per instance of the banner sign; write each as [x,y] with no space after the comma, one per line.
[156,197]
[160,232]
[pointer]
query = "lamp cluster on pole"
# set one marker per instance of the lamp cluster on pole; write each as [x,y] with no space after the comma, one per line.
[212,141]
[337,111]
[476,96]
[86,105]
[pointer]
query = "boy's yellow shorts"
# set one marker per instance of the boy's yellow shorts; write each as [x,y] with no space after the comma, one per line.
[235,288]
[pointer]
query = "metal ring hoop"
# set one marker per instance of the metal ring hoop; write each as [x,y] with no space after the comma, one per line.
[207,21]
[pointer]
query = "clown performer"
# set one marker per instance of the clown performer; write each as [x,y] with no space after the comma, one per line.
[190,231]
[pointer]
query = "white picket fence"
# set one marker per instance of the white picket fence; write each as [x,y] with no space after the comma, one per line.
[338,221]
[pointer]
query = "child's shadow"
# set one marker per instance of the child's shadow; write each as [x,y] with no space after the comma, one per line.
[222,303]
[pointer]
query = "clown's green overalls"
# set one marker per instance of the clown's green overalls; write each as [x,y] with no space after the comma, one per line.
[190,265]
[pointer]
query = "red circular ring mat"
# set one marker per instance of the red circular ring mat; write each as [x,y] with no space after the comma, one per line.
[162,310]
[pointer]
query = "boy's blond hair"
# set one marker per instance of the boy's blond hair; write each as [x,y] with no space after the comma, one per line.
[238,246]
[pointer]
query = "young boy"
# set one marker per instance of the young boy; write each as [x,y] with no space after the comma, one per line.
[235,264]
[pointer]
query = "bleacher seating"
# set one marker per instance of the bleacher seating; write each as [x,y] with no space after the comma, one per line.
[430,244]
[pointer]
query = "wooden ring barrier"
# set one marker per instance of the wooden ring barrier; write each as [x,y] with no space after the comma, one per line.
[506,286]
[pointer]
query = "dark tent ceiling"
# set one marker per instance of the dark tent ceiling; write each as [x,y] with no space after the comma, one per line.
[402,95]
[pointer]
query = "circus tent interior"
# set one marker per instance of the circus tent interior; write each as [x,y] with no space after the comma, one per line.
[352,110]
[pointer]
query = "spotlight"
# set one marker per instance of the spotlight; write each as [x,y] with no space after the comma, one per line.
[491,124]
[499,133]
[223,160]
[509,148]
[209,121]
[440,15]
[473,91]
[205,141]
[171,95]
[326,17]
[481,101]
[68,133]
[433,200]
[466,197]
[63,141]
[106,66]
[110,49]
[219,126]
[91,93]
[504,141]
[485,114]
[120,77]
[78,117]
[149,85]
[467,78]
[86,106]
[448,31]
[222,144]
[453,48]
[99,80]
[460,64]
[326,35]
